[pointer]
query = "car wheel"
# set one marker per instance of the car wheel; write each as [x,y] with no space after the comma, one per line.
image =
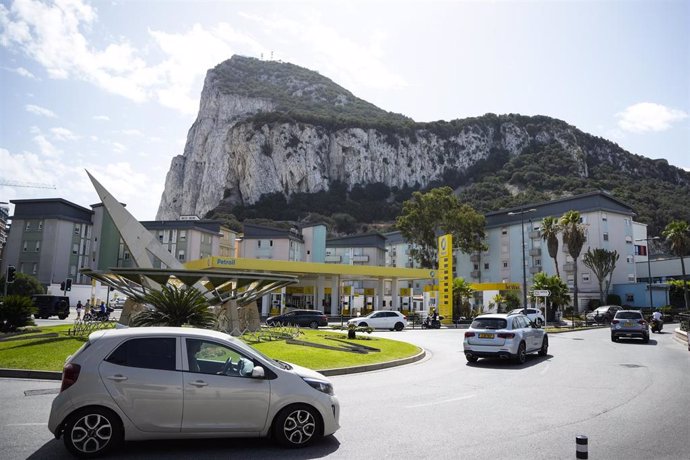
[521,356]
[92,431]
[471,358]
[296,426]
[62,316]
[614,338]
[314,325]
[544,347]
[539,322]
[399,326]
[363,324]
[646,339]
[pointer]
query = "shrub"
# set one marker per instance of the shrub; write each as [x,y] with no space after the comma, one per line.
[15,312]
[613,299]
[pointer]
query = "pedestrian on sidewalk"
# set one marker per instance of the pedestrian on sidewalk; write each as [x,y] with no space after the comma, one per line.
[80,307]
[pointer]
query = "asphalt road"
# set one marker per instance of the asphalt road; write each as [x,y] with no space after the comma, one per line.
[632,400]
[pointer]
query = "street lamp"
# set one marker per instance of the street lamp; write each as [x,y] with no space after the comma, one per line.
[522,213]
[649,267]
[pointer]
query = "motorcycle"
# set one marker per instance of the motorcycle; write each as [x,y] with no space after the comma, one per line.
[657,324]
[99,315]
[432,323]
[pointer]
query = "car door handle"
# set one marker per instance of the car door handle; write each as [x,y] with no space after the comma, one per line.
[199,383]
[117,378]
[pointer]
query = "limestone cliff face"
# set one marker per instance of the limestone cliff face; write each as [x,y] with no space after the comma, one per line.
[233,157]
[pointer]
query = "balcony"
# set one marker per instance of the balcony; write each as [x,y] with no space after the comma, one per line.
[535,252]
[534,270]
[535,234]
[474,258]
[569,267]
[333,259]
[359,259]
[475,274]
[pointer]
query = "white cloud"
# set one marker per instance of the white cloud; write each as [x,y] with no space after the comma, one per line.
[25,73]
[101,117]
[132,132]
[44,145]
[38,110]
[63,134]
[648,116]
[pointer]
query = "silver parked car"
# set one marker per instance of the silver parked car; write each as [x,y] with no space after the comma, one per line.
[381,319]
[631,324]
[163,383]
[504,336]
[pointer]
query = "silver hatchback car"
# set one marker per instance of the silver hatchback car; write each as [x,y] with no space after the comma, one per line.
[165,382]
[629,324]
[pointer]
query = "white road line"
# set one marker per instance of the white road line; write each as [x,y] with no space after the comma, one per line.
[445,401]
[546,368]
[27,424]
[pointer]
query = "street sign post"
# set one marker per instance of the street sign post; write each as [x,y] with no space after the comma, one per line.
[541,293]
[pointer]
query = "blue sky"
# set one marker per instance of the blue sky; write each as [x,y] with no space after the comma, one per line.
[113,87]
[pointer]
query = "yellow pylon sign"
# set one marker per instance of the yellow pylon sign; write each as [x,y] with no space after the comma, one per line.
[445,277]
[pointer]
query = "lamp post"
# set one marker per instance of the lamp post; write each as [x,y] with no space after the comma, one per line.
[522,213]
[649,268]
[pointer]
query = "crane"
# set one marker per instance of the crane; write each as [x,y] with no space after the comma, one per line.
[13,183]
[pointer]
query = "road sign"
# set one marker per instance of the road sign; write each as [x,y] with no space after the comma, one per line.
[542,293]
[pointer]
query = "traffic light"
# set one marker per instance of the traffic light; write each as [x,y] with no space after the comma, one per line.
[11,274]
[68,284]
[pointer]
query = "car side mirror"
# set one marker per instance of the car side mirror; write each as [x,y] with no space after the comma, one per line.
[258,372]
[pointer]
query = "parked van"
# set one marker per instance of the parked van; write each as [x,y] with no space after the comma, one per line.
[50,305]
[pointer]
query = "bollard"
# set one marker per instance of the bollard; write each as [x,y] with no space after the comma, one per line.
[581,447]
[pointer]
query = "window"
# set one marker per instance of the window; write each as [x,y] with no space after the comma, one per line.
[504,231]
[604,217]
[640,250]
[34,270]
[606,236]
[629,298]
[75,248]
[631,277]
[630,259]
[180,255]
[38,246]
[537,262]
[160,236]
[156,353]
[76,229]
[258,242]
[505,264]
[270,243]
[25,246]
[40,225]
[486,266]
[585,277]
[628,239]
[207,357]
[183,234]
[28,226]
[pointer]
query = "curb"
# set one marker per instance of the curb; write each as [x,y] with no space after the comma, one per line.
[30,374]
[55,375]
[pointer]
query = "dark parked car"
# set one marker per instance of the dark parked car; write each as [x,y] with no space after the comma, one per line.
[603,314]
[50,305]
[304,318]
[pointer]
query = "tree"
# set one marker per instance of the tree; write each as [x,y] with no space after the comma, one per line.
[173,306]
[439,210]
[549,233]
[559,292]
[24,285]
[573,237]
[602,262]
[677,233]
[461,291]
[498,300]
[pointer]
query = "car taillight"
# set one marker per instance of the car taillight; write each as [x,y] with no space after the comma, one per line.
[505,335]
[70,374]
[615,321]
[469,334]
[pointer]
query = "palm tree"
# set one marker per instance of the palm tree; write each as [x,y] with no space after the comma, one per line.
[173,306]
[678,234]
[574,237]
[549,233]
[602,262]
[461,290]
[559,292]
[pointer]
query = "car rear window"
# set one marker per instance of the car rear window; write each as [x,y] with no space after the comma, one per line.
[628,315]
[149,353]
[489,323]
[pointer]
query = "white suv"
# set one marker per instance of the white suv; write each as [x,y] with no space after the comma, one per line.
[504,336]
[382,319]
[167,383]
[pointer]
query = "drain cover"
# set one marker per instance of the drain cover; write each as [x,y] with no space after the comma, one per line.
[48,391]
[577,338]
[631,366]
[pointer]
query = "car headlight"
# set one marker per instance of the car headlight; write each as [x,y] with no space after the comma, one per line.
[320,385]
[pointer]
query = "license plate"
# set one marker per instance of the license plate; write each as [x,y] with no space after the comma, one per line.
[486,336]
[628,323]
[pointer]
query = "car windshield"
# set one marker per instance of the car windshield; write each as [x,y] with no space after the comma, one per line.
[628,315]
[489,323]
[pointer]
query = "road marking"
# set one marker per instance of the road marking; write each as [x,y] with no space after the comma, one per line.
[546,368]
[27,424]
[441,402]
